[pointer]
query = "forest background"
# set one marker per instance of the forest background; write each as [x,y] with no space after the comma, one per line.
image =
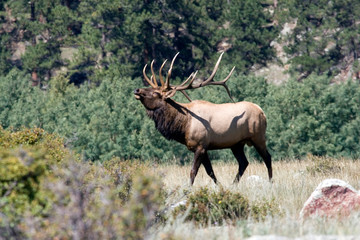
[70,68]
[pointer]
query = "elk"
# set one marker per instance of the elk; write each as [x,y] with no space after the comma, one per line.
[202,126]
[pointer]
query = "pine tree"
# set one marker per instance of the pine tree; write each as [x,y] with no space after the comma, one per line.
[325,39]
[250,31]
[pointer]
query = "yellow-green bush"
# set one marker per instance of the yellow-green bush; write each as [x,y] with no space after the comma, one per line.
[26,160]
[86,205]
[143,208]
[46,192]
[215,207]
[52,144]
[21,171]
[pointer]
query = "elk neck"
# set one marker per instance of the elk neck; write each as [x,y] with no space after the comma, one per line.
[171,120]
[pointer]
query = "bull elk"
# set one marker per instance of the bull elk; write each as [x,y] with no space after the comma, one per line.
[201,125]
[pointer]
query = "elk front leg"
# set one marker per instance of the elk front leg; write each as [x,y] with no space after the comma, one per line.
[209,170]
[201,157]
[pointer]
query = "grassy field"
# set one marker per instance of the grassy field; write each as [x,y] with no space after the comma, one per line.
[49,193]
[294,181]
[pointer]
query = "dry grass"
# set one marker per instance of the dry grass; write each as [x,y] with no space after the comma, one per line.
[294,181]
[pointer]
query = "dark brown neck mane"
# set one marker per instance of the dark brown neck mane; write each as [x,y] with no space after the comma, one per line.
[170,120]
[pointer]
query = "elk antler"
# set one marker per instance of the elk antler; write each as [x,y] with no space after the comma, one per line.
[187,84]
[152,81]
[147,79]
[167,83]
[208,81]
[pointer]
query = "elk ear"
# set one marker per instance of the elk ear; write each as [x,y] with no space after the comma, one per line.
[169,94]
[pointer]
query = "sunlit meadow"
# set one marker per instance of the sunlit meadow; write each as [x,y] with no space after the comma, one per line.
[293,183]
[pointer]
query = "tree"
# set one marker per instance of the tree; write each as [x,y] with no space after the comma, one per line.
[325,39]
[249,33]
[42,26]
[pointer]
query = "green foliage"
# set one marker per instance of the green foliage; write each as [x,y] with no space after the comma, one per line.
[26,160]
[105,121]
[47,193]
[50,143]
[141,212]
[216,207]
[250,34]
[41,57]
[127,34]
[311,117]
[326,35]
[123,174]
[21,173]
[20,104]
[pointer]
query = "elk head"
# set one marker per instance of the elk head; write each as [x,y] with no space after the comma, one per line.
[153,97]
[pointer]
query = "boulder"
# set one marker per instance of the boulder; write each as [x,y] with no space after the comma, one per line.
[332,198]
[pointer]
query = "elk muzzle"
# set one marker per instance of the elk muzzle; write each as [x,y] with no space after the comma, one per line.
[137,94]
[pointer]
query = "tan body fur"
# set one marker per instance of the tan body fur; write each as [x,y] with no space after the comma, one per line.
[217,126]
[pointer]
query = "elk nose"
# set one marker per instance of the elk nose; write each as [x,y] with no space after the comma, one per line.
[137,91]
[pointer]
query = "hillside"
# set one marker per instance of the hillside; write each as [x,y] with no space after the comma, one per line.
[300,37]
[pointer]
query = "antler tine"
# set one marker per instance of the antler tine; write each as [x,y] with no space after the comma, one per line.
[153,73]
[146,77]
[214,70]
[182,87]
[160,75]
[167,83]
[186,95]
[190,79]
[152,78]
[208,81]
[222,83]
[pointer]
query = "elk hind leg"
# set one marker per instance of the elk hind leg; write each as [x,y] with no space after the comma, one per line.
[265,155]
[238,151]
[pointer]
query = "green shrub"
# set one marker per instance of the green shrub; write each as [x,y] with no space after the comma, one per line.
[26,160]
[46,192]
[216,207]
[21,171]
[52,144]
[144,207]
[86,204]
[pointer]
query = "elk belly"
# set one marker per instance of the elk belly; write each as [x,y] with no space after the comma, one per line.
[224,137]
[219,130]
